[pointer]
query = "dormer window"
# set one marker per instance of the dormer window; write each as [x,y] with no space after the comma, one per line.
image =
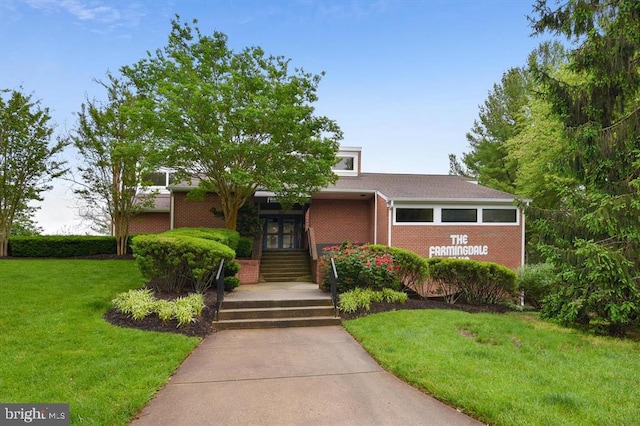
[345,163]
[348,163]
[159,180]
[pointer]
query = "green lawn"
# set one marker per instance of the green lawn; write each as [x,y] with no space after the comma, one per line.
[55,346]
[509,369]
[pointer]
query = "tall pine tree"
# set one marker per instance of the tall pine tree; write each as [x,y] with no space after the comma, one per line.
[593,233]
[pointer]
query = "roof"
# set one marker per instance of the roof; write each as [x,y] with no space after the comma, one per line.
[414,187]
[400,187]
[161,204]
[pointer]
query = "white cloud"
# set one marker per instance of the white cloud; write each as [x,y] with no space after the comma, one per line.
[92,10]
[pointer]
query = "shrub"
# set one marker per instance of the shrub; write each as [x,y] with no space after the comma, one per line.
[231,283]
[61,246]
[537,282]
[413,271]
[164,309]
[135,303]
[231,268]
[139,304]
[173,261]
[245,247]
[599,289]
[361,266]
[361,298]
[476,282]
[224,236]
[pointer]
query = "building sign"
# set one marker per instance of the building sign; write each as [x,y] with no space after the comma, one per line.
[459,248]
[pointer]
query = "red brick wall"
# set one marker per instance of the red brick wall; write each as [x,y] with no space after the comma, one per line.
[335,221]
[383,221]
[192,213]
[150,223]
[249,271]
[504,243]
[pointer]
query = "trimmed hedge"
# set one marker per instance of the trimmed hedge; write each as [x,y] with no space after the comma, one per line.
[224,236]
[476,282]
[174,261]
[62,246]
[245,247]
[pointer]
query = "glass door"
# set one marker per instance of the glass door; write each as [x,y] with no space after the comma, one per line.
[272,233]
[282,233]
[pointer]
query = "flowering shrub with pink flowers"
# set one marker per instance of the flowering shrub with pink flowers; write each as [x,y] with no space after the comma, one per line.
[362,266]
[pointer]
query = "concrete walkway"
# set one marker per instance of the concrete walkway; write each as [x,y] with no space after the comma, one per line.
[290,376]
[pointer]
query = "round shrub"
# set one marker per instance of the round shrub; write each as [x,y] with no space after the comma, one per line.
[173,262]
[231,283]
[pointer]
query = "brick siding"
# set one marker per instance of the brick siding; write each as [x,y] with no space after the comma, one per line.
[150,223]
[195,213]
[249,271]
[335,221]
[504,243]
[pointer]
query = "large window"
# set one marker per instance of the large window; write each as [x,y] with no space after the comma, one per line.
[414,215]
[425,214]
[459,215]
[499,216]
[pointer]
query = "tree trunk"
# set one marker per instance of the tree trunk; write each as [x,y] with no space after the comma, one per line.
[231,219]
[4,244]
[121,226]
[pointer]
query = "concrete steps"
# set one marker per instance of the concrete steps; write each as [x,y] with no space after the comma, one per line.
[238,314]
[285,266]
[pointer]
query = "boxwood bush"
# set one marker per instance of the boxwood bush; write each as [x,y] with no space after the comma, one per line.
[175,261]
[61,246]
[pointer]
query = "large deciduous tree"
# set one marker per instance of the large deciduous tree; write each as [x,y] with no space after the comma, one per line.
[116,154]
[27,158]
[238,120]
[593,233]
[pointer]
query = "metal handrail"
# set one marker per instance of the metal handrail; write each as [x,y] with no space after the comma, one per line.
[333,279]
[220,288]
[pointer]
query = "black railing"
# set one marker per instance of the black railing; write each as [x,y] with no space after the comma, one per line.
[220,288]
[333,279]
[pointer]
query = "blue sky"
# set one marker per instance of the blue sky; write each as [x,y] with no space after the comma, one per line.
[404,78]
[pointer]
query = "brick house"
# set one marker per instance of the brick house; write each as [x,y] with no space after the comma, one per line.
[432,215]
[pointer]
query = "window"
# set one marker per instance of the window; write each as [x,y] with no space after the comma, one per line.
[345,163]
[156,179]
[460,215]
[160,179]
[414,215]
[499,215]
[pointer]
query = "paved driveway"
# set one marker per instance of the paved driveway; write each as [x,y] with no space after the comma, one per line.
[290,376]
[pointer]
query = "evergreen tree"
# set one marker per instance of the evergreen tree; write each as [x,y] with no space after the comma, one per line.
[593,233]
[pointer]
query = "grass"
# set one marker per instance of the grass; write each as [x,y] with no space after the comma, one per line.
[56,347]
[509,369]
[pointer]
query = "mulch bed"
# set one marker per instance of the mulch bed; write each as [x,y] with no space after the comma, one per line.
[203,326]
[416,302]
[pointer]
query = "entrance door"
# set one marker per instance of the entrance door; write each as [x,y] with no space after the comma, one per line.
[281,233]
